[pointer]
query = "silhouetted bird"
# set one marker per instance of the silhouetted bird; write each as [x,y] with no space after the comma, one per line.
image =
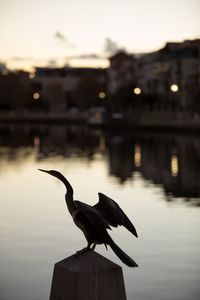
[95,220]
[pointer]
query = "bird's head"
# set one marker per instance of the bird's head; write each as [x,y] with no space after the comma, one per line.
[53,173]
[61,178]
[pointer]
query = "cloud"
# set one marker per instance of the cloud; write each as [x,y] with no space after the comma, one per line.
[86,56]
[111,47]
[61,38]
[52,63]
[24,58]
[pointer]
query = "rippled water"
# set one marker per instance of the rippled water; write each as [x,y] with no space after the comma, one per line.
[154,178]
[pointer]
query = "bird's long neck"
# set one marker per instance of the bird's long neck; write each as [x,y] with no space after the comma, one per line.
[69,195]
[70,202]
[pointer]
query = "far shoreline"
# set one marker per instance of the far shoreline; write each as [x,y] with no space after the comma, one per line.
[149,124]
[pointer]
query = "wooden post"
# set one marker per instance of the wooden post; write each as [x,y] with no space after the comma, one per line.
[88,276]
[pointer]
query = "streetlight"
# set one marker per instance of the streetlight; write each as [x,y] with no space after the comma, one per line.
[137,91]
[174,88]
[102,95]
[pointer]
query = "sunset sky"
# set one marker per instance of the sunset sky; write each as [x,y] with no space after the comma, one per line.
[84,32]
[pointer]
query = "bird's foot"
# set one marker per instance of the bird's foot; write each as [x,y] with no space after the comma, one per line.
[81,251]
[93,247]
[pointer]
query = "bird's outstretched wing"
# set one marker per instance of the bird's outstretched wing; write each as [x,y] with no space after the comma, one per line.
[93,215]
[113,214]
[96,225]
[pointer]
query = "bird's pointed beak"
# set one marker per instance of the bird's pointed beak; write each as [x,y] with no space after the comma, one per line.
[43,171]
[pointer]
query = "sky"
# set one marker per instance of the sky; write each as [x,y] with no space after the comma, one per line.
[86,32]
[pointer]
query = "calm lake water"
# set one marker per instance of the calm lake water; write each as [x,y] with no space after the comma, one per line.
[155,178]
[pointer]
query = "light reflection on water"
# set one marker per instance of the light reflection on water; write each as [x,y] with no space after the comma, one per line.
[154,178]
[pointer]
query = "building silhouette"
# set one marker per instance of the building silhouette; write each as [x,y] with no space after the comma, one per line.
[169,77]
[69,88]
[162,85]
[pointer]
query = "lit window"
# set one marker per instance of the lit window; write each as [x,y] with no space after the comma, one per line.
[98,115]
[32,75]
[137,156]
[36,141]
[36,96]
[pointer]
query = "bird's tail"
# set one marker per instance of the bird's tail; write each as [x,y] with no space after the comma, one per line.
[121,254]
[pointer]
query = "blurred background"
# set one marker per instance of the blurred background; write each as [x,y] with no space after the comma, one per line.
[108,94]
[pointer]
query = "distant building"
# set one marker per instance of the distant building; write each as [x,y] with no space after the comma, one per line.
[64,88]
[14,90]
[122,72]
[3,69]
[172,72]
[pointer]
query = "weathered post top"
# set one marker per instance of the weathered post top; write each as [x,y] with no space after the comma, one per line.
[88,276]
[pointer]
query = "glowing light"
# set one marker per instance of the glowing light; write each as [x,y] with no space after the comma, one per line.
[174,166]
[98,115]
[174,88]
[36,141]
[137,156]
[32,75]
[36,96]
[137,91]
[102,144]
[102,95]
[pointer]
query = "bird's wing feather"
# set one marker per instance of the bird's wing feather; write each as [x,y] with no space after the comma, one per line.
[113,214]
[93,216]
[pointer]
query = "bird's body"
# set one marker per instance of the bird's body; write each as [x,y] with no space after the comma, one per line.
[91,223]
[95,220]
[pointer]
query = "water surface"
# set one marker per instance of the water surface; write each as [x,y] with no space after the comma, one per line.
[153,177]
